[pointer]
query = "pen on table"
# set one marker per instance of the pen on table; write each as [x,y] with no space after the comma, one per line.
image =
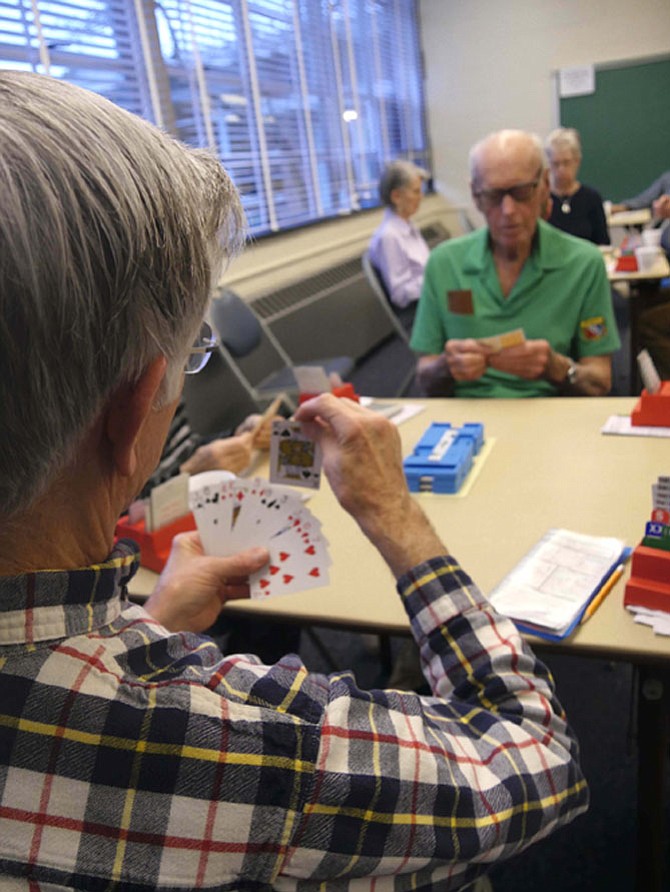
[604,592]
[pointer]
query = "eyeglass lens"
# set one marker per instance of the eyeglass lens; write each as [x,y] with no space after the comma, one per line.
[201,350]
[521,193]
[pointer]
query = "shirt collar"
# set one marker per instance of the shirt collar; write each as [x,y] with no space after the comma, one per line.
[398,222]
[546,253]
[53,604]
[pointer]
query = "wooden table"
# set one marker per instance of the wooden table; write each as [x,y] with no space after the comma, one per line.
[548,466]
[630,219]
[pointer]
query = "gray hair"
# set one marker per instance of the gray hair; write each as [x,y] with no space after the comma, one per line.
[564,138]
[396,175]
[111,236]
[503,140]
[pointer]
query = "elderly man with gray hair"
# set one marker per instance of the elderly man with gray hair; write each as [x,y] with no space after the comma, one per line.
[397,248]
[516,273]
[134,755]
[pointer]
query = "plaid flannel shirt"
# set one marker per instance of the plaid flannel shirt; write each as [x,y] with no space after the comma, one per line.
[136,759]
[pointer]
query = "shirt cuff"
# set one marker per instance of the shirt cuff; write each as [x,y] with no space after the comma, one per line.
[423,590]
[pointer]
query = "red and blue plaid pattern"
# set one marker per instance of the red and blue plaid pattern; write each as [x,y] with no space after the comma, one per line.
[134,759]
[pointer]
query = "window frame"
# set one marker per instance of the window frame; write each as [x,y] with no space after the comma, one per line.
[304,101]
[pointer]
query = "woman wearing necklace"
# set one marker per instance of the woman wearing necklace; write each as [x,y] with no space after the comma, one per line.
[576,208]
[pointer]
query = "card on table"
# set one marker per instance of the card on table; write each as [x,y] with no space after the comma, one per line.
[311,379]
[294,458]
[233,515]
[506,339]
[167,502]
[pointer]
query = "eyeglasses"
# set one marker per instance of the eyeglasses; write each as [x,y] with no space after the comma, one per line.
[493,198]
[201,350]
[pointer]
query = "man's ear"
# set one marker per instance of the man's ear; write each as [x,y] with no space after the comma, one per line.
[127,410]
[475,197]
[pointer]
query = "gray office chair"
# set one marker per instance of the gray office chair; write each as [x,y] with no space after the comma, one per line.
[402,321]
[255,355]
[216,399]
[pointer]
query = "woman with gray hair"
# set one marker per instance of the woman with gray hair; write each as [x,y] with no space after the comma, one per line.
[397,249]
[576,209]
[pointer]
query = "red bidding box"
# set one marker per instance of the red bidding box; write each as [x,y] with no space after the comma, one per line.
[627,263]
[653,409]
[345,390]
[154,547]
[649,583]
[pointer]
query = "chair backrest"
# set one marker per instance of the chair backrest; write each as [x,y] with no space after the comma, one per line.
[248,343]
[236,323]
[376,282]
[374,277]
[217,398]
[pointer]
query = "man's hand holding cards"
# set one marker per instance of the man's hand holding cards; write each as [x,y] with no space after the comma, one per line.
[233,515]
[514,354]
[469,358]
[503,341]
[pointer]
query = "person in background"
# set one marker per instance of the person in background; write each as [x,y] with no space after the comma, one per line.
[653,329]
[397,248]
[575,208]
[134,754]
[656,197]
[517,272]
[188,452]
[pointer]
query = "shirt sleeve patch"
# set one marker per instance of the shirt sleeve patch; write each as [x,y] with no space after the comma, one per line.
[593,329]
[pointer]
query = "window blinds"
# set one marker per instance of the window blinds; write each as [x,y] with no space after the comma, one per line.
[303,100]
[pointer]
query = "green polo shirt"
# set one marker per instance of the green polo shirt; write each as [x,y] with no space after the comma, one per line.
[562,296]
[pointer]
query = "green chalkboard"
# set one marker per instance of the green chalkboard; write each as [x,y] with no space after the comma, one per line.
[624,127]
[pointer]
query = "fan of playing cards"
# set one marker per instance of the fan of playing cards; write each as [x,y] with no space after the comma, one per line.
[233,515]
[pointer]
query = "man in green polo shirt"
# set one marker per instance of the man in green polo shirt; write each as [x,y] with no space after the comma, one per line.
[518,272]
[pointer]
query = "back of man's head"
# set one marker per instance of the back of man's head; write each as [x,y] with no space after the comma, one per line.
[110,235]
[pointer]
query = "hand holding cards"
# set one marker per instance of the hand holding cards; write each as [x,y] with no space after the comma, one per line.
[503,341]
[234,515]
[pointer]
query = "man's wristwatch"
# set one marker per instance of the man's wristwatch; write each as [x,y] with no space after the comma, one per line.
[571,374]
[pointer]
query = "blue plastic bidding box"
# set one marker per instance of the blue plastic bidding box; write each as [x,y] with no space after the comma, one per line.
[443,457]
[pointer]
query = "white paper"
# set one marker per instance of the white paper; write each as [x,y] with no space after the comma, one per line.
[557,577]
[621,426]
[395,412]
[579,80]
[658,620]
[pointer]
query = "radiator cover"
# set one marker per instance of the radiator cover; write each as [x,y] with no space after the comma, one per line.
[331,313]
